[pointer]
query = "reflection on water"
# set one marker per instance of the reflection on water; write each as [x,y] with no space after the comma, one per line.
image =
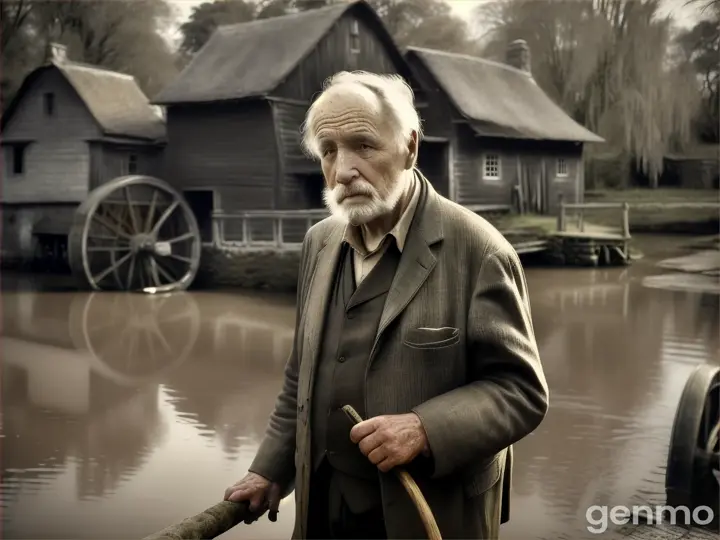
[124,413]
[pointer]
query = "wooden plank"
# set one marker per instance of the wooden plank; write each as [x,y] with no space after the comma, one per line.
[609,237]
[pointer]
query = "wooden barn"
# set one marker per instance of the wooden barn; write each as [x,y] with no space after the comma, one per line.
[70,128]
[508,144]
[234,114]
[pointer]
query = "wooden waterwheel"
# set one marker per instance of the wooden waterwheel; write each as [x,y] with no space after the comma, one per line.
[693,466]
[135,233]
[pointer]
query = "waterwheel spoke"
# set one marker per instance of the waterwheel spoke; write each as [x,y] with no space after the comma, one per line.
[182,237]
[108,248]
[165,273]
[131,270]
[111,227]
[154,272]
[187,260]
[165,215]
[117,214]
[131,211]
[151,212]
[99,277]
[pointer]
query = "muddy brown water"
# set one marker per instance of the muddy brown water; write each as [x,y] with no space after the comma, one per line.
[122,413]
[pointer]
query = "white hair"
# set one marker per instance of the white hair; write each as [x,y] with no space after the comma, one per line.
[395,95]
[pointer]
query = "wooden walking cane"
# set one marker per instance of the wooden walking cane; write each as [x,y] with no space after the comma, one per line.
[413,490]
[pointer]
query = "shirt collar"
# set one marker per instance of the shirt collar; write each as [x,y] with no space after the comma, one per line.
[353,234]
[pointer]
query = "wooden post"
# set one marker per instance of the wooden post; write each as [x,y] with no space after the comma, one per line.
[279,224]
[561,212]
[246,231]
[217,237]
[626,220]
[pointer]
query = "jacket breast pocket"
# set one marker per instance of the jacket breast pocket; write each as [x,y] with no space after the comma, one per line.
[432,338]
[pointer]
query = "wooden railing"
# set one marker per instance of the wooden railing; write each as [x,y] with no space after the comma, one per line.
[624,211]
[282,229]
[268,229]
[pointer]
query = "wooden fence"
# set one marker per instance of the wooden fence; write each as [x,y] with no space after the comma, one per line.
[623,209]
[264,229]
[281,230]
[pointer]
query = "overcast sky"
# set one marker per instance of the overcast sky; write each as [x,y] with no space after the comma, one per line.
[684,15]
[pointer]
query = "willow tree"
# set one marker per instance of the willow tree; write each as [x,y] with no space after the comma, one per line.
[608,63]
[637,98]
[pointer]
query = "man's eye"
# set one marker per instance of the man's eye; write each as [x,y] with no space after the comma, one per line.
[365,147]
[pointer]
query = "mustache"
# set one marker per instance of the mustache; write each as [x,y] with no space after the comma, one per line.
[343,192]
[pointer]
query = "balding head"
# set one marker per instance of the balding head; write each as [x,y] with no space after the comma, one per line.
[389,92]
[365,131]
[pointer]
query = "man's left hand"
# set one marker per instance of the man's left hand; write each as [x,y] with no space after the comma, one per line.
[389,441]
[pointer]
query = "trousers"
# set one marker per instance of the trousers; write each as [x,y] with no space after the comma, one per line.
[330,517]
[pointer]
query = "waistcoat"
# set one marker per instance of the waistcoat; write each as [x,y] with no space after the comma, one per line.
[352,319]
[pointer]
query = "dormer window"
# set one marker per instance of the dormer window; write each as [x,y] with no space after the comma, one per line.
[355,37]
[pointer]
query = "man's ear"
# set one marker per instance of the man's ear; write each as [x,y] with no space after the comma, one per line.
[412,150]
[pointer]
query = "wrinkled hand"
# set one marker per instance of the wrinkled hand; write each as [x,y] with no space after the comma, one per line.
[389,441]
[259,492]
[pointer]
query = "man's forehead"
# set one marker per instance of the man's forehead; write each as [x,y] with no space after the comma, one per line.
[348,98]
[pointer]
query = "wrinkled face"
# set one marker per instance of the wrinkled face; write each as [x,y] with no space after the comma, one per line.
[362,162]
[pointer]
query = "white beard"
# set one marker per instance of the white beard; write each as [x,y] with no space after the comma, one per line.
[363,209]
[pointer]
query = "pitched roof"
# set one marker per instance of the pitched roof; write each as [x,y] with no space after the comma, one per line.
[251,59]
[499,100]
[115,100]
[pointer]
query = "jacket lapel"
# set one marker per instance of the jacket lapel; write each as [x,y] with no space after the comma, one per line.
[417,260]
[317,300]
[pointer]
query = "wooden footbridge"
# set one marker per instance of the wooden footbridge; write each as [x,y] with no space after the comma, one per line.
[572,244]
[691,482]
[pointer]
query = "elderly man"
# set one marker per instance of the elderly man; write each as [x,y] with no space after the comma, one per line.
[415,311]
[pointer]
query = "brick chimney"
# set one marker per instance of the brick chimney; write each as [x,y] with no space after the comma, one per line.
[55,52]
[518,55]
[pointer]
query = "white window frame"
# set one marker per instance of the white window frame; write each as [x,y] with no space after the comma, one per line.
[558,171]
[485,159]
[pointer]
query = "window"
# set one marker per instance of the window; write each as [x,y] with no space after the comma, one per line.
[562,167]
[49,103]
[355,38]
[132,165]
[18,159]
[491,167]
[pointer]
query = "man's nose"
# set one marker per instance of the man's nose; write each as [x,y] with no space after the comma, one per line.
[345,170]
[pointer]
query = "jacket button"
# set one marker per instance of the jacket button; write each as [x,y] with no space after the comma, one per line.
[341,359]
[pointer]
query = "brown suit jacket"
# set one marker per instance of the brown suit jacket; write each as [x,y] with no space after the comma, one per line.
[455,345]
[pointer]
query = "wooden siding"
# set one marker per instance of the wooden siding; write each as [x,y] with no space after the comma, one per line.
[57,159]
[227,147]
[109,161]
[537,160]
[333,54]
[54,171]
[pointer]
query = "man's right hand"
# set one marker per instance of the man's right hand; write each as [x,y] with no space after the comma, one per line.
[259,492]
